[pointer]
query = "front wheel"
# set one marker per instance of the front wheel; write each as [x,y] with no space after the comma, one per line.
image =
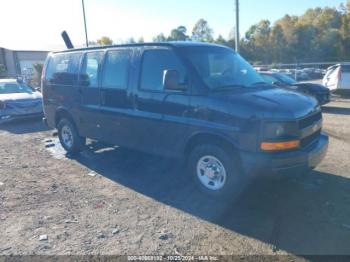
[216,171]
[69,137]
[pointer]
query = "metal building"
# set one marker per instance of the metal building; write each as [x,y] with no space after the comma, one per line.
[15,63]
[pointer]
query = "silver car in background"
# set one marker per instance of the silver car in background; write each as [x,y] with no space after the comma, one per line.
[337,78]
[18,100]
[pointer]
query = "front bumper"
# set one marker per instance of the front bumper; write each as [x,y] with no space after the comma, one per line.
[20,111]
[4,118]
[285,163]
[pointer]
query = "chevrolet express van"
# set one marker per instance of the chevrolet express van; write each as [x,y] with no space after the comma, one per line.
[199,101]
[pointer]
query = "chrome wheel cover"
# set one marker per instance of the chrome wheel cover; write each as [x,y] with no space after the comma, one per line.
[211,173]
[67,136]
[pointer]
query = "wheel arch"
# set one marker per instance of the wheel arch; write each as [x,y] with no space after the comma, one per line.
[209,138]
[63,113]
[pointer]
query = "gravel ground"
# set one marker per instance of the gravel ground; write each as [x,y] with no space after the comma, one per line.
[115,201]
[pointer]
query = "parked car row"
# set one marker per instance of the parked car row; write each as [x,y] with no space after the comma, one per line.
[297,74]
[336,78]
[321,93]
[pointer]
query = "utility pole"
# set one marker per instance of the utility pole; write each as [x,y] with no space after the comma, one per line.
[237,26]
[86,36]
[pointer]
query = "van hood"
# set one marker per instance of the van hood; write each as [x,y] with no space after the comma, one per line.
[20,96]
[268,103]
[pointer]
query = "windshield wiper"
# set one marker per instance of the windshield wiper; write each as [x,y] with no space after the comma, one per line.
[259,84]
[225,87]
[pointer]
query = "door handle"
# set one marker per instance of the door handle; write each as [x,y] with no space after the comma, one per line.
[136,100]
[103,97]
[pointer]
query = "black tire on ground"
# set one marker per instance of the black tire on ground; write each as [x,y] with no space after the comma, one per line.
[235,182]
[78,143]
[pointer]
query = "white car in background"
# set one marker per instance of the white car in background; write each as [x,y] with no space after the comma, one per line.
[337,78]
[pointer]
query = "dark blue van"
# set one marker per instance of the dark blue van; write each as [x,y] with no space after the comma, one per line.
[200,101]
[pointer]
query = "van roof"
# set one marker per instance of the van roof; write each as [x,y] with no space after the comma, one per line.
[169,44]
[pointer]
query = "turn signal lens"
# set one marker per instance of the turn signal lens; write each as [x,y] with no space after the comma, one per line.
[267,146]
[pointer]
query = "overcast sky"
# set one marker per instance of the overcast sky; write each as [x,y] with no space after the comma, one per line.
[37,24]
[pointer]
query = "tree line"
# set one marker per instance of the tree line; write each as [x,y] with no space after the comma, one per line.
[319,35]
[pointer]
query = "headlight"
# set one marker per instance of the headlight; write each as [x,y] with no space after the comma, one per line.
[279,136]
[280,130]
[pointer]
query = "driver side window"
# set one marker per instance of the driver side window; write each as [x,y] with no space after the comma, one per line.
[154,63]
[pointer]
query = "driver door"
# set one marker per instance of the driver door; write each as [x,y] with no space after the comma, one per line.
[162,114]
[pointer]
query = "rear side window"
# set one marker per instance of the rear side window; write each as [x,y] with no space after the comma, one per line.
[63,69]
[91,68]
[155,62]
[116,68]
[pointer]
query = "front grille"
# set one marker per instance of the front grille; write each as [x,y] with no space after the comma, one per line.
[23,104]
[308,121]
[310,139]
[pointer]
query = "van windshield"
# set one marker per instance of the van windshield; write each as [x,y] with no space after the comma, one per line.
[222,68]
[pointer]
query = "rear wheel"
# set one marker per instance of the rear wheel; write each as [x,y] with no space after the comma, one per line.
[69,137]
[216,171]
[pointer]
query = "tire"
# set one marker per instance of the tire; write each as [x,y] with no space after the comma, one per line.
[69,137]
[229,167]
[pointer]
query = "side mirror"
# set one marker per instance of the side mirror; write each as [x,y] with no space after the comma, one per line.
[171,81]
